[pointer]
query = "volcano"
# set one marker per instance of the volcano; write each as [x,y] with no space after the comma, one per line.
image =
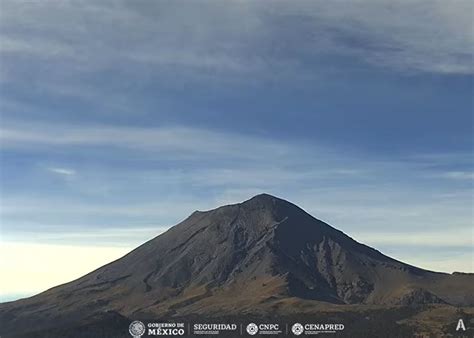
[262,256]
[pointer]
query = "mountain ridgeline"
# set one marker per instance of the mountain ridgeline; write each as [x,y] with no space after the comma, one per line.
[262,255]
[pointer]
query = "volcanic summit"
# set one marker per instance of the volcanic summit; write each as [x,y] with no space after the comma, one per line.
[265,254]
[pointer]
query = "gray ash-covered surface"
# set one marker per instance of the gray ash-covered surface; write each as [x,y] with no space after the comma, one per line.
[263,256]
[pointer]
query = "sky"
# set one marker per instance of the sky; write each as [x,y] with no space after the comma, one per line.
[120,118]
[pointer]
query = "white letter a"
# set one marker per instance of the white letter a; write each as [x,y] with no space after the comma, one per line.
[460,325]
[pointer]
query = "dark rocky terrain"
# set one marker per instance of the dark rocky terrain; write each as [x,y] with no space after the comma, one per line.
[261,258]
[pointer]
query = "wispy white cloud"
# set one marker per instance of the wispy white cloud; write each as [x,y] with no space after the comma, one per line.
[431,36]
[126,236]
[193,143]
[182,141]
[45,48]
[462,237]
[433,249]
[458,175]
[62,171]
[165,208]
[345,189]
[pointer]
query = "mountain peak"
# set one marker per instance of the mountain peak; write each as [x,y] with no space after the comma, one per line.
[265,200]
[270,202]
[263,196]
[265,246]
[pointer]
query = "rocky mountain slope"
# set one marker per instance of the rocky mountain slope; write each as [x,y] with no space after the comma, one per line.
[264,254]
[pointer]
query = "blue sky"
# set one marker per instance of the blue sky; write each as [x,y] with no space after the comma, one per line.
[118,119]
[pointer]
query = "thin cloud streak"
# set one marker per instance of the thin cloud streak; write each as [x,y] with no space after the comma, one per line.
[178,140]
[192,143]
[463,237]
[346,189]
[382,33]
[459,175]
[63,171]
